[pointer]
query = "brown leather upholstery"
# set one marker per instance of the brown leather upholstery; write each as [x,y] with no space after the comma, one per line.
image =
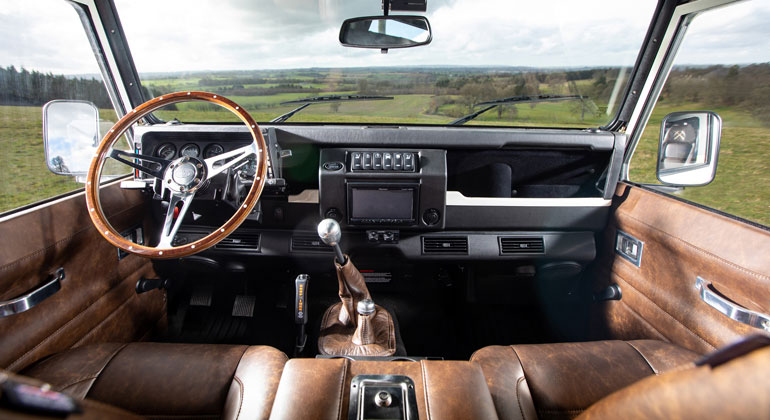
[681,242]
[558,381]
[337,339]
[319,388]
[89,409]
[338,326]
[352,288]
[97,301]
[739,389]
[165,379]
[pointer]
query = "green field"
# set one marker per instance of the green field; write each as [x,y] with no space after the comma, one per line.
[741,186]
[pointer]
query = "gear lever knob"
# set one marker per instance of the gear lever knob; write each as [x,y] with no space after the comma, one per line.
[365,307]
[330,233]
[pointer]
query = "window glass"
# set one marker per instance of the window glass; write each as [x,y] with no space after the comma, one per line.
[33,71]
[270,53]
[735,84]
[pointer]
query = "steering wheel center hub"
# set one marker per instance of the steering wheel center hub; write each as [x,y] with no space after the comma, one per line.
[185,174]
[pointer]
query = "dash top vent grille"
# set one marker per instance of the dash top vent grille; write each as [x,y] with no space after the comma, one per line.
[445,245]
[309,242]
[521,245]
[240,240]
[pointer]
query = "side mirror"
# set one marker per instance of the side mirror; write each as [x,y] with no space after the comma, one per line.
[689,148]
[71,135]
[384,32]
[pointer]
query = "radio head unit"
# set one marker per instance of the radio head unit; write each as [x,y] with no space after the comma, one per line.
[382,203]
[378,187]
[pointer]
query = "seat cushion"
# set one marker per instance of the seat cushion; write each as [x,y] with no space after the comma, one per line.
[559,381]
[168,379]
[738,389]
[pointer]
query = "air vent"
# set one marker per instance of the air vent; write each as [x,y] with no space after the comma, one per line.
[445,245]
[309,242]
[240,240]
[520,245]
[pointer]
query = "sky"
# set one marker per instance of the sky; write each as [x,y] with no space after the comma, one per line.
[199,35]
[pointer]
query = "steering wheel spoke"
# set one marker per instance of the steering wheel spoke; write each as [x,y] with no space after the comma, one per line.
[229,159]
[162,164]
[182,177]
[173,219]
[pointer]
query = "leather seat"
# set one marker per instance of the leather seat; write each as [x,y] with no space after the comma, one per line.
[169,380]
[560,381]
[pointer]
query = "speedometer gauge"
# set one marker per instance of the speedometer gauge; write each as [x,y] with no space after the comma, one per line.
[213,150]
[190,150]
[166,151]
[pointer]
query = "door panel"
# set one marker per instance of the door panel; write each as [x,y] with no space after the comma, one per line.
[97,301]
[681,242]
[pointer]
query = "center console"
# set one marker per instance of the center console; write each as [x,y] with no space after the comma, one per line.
[404,390]
[383,188]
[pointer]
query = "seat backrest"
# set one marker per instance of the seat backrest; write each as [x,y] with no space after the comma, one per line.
[738,389]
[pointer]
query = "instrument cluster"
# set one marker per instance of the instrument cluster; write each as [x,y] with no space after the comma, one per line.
[168,150]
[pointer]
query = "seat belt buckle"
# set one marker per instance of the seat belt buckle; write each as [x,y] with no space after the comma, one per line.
[36,399]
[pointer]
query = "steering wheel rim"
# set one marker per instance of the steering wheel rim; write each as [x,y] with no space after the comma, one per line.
[176,175]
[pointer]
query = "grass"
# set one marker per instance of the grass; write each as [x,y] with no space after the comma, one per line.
[740,188]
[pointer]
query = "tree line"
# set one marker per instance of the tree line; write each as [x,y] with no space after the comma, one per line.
[33,88]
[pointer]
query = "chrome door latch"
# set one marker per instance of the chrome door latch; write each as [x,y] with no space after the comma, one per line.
[33,297]
[730,309]
[629,248]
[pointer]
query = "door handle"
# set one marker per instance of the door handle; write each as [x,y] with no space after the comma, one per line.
[32,298]
[730,309]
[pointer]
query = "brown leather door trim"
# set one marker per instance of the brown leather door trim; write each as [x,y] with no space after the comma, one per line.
[681,242]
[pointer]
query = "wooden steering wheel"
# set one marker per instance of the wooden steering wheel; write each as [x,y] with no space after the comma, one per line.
[182,177]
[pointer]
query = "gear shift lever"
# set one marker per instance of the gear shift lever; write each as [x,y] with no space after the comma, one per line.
[330,233]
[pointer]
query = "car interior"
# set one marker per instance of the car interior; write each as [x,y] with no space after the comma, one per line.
[382,271]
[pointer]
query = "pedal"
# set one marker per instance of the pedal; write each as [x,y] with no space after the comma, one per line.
[201,296]
[244,305]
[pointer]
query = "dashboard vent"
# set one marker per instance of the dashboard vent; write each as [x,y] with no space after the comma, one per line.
[240,240]
[309,242]
[520,245]
[445,245]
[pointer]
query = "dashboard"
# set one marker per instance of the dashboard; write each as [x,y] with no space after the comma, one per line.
[417,193]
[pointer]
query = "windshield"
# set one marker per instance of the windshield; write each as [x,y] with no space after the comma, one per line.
[264,53]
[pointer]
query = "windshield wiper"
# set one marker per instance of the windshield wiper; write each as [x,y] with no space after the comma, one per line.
[513,100]
[306,102]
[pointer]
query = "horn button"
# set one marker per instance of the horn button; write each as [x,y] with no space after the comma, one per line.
[185,174]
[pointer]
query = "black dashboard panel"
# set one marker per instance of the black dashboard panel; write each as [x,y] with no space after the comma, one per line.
[358,188]
[558,189]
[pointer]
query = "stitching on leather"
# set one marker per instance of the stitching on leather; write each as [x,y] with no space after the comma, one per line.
[93,329]
[425,388]
[655,371]
[56,332]
[342,387]
[240,395]
[557,411]
[665,312]
[112,357]
[518,398]
[70,384]
[61,241]
[698,249]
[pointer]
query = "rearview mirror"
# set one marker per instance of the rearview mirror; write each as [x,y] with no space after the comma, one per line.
[386,32]
[689,148]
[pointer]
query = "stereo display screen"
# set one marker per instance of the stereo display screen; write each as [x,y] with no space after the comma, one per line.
[382,203]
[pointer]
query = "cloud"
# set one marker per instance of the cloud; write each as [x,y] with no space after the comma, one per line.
[195,35]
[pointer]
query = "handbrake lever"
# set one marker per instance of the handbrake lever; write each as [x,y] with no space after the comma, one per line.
[300,311]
